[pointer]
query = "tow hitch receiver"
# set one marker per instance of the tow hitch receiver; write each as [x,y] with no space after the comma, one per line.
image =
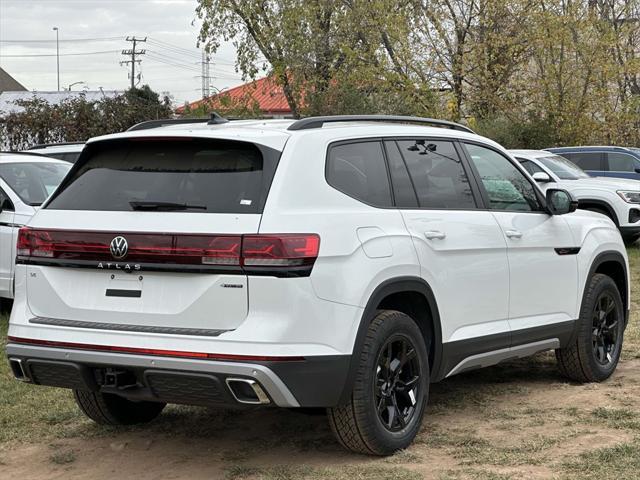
[114,378]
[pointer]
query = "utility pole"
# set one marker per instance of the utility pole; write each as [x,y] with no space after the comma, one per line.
[55,29]
[132,52]
[205,74]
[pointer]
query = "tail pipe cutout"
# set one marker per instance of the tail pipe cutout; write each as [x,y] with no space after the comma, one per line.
[248,391]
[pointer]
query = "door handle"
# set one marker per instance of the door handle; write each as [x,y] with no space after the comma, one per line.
[513,233]
[435,235]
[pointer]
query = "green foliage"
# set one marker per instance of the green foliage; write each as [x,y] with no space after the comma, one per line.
[528,73]
[325,54]
[77,119]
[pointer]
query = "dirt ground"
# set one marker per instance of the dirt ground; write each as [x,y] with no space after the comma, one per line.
[518,420]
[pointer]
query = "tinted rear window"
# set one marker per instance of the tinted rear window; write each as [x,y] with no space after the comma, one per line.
[33,182]
[358,170]
[208,176]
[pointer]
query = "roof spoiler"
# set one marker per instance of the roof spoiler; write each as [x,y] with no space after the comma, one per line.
[318,122]
[60,144]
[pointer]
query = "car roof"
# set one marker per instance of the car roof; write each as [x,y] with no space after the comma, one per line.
[57,148]
[21,157]
[530,154]
[586,148]
[275,133]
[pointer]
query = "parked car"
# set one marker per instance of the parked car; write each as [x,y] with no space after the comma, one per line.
[25,183]
[69,152]
[617,198]
[621,162]
[338,262]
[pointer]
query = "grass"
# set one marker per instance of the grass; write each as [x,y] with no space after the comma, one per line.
[63,457]
[288,472]
[481,425]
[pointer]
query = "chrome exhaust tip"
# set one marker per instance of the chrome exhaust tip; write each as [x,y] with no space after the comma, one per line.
[18,370]
[247,391]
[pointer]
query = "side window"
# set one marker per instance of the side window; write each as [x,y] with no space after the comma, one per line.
[585,160]
[437,174]
[403,190]
[5,202]
[359,170]
[621,162]
[529,166]
[507,187]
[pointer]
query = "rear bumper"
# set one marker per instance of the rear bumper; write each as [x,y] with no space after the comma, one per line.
[312,382]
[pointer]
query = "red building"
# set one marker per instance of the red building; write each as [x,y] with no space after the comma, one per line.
[263,94]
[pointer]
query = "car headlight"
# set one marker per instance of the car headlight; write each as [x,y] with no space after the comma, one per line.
[630,196]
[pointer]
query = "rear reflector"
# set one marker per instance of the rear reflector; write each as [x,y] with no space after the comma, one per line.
[154,351]
[275,251]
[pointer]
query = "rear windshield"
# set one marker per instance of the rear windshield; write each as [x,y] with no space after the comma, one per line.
[190,175]
[33,182]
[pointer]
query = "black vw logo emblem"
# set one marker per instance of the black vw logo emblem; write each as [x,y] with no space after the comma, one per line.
[119,247]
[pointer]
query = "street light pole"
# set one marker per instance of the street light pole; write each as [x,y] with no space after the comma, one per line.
[57,54]
[74,83]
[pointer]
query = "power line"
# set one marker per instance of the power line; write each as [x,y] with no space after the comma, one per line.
[66,40]
[133,52]
[62,54]
[174,64]
[172,59]
[175,49]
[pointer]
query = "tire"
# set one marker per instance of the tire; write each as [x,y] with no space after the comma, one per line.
[5,305]
[358,425]
[594,354]
[109,409]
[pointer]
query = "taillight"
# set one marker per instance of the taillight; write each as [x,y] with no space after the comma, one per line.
[279,250]
[254,253]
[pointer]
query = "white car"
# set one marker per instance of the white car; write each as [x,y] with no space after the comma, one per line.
[69,152]
[617,198]
[25,183]
[338,262]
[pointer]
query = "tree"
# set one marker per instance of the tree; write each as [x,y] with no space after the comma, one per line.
[325,54]
[77,119]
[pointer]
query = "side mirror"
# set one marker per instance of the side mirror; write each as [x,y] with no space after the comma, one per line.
[541,177]
[560,202]
[637,170]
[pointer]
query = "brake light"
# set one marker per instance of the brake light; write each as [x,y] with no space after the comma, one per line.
[279,250]
[239,251]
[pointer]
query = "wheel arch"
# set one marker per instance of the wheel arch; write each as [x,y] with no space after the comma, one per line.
[412,296]
[612,264]
[585,203]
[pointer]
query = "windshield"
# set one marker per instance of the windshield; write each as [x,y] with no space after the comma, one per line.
[564,169]
[33,182]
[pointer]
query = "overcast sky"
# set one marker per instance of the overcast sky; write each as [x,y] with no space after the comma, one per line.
[99,27]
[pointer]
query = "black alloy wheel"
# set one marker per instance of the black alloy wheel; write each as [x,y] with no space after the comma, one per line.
[604,337]
[397,382]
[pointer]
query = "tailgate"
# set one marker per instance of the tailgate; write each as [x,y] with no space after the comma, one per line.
[148,287]
[145,234]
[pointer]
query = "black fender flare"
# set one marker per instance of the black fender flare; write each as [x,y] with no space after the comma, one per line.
[608,256]
[386,288]
[601,204]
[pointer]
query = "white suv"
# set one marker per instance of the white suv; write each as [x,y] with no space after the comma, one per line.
[617,198]
[25,183]
[338,262]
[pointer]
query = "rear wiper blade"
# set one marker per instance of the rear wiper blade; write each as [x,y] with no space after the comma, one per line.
[136,205]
